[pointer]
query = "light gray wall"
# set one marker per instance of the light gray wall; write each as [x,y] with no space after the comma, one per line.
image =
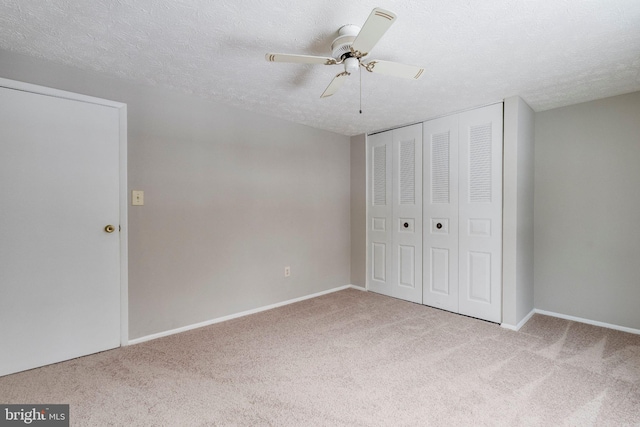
[358,210]
[518,235]
[587,207]
[525,229]
[231,198]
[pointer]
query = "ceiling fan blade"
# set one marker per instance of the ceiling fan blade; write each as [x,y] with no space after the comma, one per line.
[299,59]
[335,84]
[374,27]
[394,69]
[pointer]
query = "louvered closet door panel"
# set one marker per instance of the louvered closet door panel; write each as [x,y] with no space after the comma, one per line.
[480,213]
[407,213]
[440,213]
[379,216]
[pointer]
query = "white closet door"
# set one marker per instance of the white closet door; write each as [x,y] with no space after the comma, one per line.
[379,216]
[394,219]
[440,210]
[407,213]
[480,213]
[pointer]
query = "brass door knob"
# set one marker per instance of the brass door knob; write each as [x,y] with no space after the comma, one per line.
[109,228]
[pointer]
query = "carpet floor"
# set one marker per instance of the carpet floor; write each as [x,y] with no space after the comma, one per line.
[352,358]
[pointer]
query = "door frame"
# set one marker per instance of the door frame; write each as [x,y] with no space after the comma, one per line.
[123,191]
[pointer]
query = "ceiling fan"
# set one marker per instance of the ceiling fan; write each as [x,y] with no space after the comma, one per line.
[349,49]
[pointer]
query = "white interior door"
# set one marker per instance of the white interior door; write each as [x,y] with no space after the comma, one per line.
[407,213]
[394,218]
[59,269]
[480,210]
[440,210]
[380,213]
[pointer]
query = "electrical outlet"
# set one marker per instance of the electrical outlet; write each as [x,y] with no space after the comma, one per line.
[287,271]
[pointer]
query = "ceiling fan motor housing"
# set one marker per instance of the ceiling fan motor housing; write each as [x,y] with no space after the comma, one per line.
[341,46]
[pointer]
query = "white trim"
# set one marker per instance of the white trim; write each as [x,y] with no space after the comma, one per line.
[237,315]
[589,322]
[451,113]
[366,212]
[124,230]
[122,112]
[521,323]
[508,326]
[360,288]
[42,90]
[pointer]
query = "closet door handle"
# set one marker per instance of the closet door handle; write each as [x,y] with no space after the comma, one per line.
[438,226]
[406,225]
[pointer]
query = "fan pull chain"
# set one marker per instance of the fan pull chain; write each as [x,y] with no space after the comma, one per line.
[360,90]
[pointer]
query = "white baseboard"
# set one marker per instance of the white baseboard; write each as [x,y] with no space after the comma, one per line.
[360,288]
[520,324]
[236,315]
[589,322]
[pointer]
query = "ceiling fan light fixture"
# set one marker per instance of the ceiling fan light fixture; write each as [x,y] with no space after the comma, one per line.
[351,65]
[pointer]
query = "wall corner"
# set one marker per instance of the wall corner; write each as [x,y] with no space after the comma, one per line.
[358,210]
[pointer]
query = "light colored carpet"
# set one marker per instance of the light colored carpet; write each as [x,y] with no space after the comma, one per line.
[352,358]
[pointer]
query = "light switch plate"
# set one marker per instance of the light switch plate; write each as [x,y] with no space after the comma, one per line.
[137,198]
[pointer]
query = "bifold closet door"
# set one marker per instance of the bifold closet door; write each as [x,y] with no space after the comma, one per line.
[379,214]
[480,213]
[407,213]
[395,213]
[462,213]
[440,213]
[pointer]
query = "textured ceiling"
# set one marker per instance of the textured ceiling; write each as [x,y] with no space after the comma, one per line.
[552,53]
